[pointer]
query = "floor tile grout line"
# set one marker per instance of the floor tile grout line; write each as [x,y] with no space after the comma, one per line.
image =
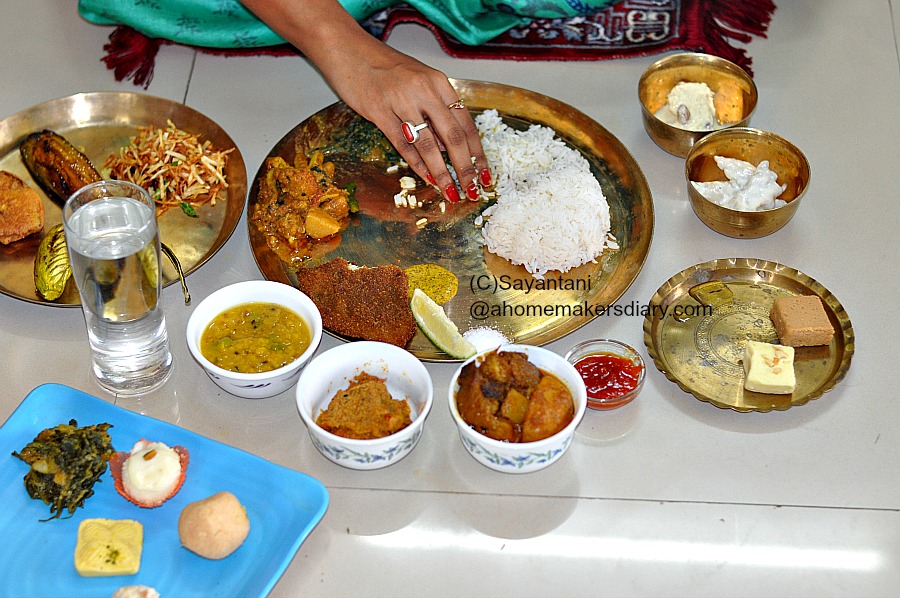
[896,36]
[190,77]
[634,500]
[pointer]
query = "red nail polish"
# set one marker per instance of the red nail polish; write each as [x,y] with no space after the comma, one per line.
[430,179]
[485,177]
[472,191]
[451,193]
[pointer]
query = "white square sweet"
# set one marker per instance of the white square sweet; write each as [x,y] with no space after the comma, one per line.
[769,368]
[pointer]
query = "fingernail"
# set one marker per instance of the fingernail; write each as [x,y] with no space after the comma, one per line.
[485,177]
[430,179]
[451,193]
[472,191]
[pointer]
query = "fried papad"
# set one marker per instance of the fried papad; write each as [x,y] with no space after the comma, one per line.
[21,210]
[361,303]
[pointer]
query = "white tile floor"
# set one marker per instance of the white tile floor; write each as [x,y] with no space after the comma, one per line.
[667,496]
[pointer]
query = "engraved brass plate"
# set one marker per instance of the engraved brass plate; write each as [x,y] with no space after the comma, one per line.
[383,234]
[98,124]
[701,350]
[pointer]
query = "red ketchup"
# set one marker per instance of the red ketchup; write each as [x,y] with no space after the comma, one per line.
[608,377]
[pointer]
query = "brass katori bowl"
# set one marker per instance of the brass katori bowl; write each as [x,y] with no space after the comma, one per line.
[754,146]
[735,91]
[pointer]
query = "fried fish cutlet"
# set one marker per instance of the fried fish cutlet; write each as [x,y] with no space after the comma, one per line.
[363,303]
[21,210]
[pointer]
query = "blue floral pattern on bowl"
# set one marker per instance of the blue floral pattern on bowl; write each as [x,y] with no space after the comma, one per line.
[516,462]
[393,452]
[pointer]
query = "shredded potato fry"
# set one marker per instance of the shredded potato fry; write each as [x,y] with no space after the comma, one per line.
[173,166]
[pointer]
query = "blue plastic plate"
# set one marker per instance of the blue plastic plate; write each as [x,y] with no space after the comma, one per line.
[37,557]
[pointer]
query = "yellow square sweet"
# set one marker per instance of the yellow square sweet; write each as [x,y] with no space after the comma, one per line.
[109,547]
[769,368]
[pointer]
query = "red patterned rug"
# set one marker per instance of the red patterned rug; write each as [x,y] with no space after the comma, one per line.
[626,29]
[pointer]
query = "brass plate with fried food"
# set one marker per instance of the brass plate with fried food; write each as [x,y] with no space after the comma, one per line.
[383,234]
[98,124]
[699,344]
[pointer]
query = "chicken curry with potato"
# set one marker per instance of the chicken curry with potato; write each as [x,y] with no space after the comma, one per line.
[506,397]
[299,205]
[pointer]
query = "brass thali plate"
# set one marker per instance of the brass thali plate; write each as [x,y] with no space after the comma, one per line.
[382,234]
[98,124]
[700,348]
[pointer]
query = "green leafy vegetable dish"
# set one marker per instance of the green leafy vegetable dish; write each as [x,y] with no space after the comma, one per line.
[65,463]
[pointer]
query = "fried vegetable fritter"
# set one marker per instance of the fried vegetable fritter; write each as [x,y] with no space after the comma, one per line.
[65,463]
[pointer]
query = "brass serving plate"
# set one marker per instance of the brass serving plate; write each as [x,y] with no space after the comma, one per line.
[99,123]
[701,354]
[382,234]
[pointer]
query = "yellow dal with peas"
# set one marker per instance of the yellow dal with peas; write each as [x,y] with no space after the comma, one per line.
[255,337]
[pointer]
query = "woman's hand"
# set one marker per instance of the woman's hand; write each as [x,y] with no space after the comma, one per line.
[388,88]
[392,89]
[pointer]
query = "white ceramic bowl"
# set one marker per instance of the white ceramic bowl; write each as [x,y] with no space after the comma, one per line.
[523,457]
[263,384]
[404,375]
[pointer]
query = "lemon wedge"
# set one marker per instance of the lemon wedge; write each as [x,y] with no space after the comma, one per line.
[439,329]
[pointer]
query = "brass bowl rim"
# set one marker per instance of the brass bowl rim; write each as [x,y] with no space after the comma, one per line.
[760,133]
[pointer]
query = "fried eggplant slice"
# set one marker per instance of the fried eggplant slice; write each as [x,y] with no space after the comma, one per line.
[56,165]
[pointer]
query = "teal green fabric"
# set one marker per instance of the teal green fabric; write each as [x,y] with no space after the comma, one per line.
[228,24]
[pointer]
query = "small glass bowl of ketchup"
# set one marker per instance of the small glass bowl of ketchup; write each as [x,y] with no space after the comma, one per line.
[613,372]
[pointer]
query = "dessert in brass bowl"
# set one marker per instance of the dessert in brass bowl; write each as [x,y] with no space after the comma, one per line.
[753,146]
[674,90]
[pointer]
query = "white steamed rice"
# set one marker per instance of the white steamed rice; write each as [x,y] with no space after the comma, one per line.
[550,213]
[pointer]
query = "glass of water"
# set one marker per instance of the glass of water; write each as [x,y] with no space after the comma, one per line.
[113,242]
